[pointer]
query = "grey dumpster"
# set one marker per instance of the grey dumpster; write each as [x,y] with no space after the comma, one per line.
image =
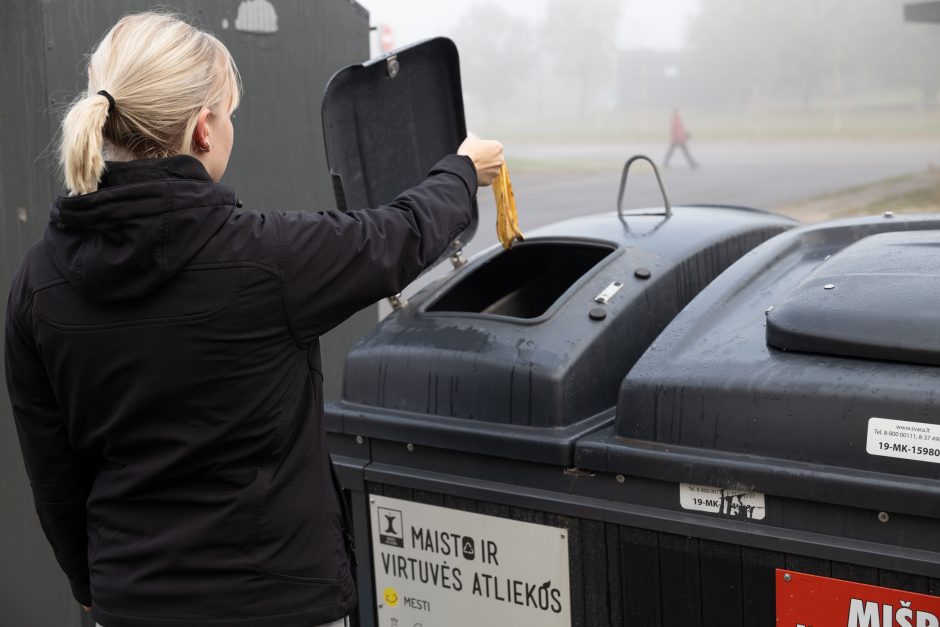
[770,457]
[472,398]
[786,430]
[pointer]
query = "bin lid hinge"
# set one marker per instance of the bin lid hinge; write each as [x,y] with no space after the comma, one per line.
[397,301]
[574,471]
[456,255]
[392,66]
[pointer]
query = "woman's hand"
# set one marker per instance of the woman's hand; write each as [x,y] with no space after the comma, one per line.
[487,156]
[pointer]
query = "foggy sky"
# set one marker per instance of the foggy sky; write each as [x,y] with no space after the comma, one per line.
[645,23]
[735,68]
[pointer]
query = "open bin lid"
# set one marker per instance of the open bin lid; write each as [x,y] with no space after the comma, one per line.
[388,121]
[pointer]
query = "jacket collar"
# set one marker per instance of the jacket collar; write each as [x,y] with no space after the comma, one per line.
[182,167]
[134,189]
[147,221]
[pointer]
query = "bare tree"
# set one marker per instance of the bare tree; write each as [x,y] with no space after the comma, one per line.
[580,37]
[496,54]
[807,50]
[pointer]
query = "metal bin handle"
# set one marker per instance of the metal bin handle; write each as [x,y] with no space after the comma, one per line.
[623,184]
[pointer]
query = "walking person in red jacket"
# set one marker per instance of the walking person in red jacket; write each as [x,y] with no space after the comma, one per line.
[162,348]
[680,139]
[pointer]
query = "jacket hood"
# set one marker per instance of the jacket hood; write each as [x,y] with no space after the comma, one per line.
[146,222]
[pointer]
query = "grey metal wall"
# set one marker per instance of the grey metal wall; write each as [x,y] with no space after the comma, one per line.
[278,163]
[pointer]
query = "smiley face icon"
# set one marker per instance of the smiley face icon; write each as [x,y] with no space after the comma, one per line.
[390,596]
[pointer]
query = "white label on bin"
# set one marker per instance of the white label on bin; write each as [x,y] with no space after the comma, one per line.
[722,501]
[440,566]
[919,441]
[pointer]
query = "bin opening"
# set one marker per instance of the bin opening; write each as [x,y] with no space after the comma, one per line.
[524,281]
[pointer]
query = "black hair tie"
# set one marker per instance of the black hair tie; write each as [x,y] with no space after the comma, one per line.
[110,100]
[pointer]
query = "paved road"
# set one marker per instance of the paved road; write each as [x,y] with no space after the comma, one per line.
[767,176]
[558,181]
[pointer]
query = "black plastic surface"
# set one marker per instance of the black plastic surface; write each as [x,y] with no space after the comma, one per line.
[505,347]
[388,121]
[713,385]
[878,299]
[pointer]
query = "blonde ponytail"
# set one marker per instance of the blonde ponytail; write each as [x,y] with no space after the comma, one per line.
[83,143]
[161,73]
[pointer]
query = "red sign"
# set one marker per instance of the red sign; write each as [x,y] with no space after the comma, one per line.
[386,38]
[812,601]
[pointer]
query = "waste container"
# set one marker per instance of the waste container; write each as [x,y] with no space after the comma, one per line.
[455,438]
[786,433]
[772,459]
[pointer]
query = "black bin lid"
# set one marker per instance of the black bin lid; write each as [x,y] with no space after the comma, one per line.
[388,121]
[876,299]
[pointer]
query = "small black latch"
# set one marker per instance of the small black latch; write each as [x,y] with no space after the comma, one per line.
[392,66]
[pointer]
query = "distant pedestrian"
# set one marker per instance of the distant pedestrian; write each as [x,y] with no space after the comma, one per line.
[680,139]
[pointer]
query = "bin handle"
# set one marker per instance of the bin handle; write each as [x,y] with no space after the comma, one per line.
[667,211]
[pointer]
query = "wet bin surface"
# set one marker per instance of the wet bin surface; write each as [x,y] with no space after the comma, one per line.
[708,412]
[519,358]
[474,399]
[790,409]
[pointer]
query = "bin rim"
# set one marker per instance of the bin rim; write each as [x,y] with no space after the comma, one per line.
[485,257]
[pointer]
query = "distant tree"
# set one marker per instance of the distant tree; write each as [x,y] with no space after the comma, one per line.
[758,47]
[894,53]
[922,42]
[580,37]
[806,49]
[496,54]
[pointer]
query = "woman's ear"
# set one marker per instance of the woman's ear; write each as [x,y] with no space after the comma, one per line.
[201,131]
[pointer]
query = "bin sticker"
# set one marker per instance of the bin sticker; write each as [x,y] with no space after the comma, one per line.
[810,600]
[438,566]
[919,441]
[723,501]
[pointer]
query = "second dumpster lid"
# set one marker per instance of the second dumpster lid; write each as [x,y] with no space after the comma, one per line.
[876,299]
[388,121]
[713,383]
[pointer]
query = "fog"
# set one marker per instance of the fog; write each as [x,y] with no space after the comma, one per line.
[610,70]
[818,109]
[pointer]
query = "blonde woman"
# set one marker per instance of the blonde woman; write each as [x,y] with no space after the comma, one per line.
[162,350]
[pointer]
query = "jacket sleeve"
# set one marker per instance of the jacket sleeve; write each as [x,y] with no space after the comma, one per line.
[59,477]
[335,263]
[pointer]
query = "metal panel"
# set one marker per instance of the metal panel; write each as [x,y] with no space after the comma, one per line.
[656,578]
[279,163]
[922,12]
[32,589]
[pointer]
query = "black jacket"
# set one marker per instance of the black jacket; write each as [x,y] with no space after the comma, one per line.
[164,369]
